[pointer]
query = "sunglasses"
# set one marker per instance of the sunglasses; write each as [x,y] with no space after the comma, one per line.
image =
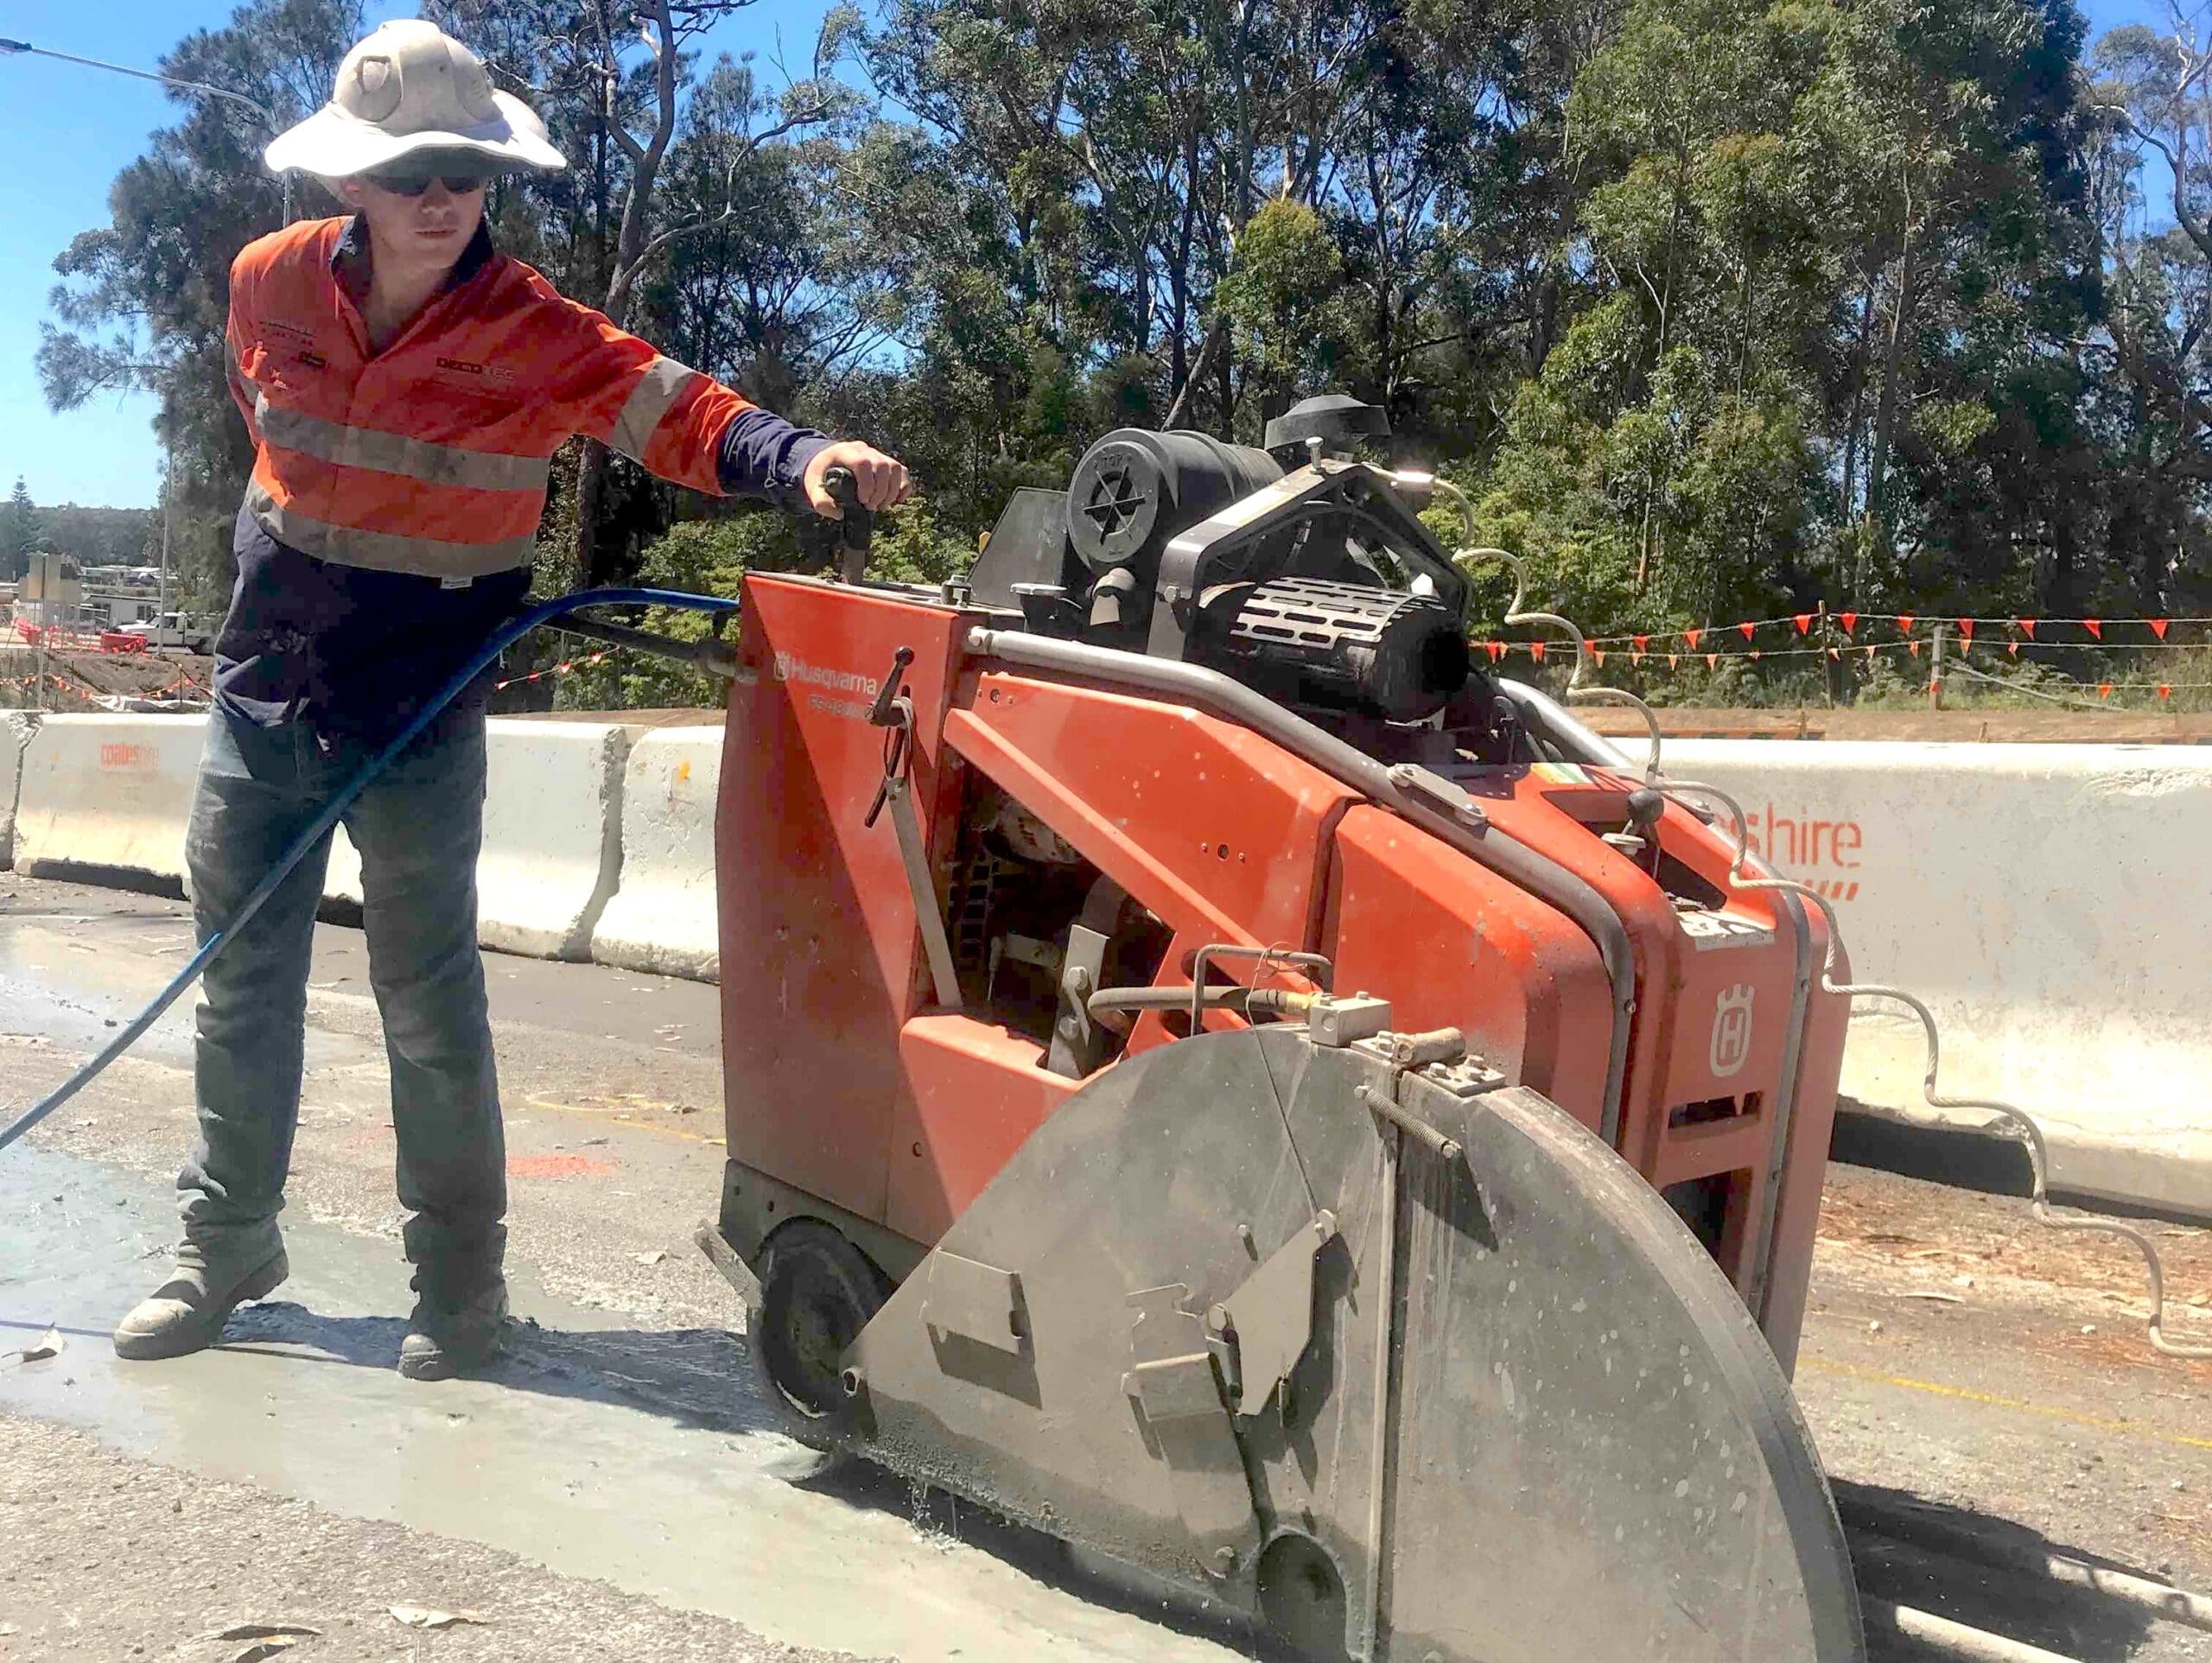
[415,184]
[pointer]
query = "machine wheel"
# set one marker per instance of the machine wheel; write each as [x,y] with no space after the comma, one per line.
[817,1292]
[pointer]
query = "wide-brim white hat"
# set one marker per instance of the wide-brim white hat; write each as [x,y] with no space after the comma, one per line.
[409,87]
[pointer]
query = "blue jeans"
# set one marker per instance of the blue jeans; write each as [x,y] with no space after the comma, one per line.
[418,827]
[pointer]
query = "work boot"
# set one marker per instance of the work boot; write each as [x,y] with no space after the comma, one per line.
[186,1312]
[445,1340]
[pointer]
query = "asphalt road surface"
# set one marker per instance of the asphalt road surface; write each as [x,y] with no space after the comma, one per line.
[613,1488]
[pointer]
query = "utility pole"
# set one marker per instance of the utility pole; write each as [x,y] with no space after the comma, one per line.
[1828,660]
[11,48]
[1935,674]
[169,493]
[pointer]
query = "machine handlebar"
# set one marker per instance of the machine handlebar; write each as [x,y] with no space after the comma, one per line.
[857,526]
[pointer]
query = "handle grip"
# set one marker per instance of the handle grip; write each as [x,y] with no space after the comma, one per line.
[856,528]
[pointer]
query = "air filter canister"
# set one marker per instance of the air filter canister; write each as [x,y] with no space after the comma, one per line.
[1340,646]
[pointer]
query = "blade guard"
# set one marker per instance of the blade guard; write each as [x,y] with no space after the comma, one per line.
[1530,1419]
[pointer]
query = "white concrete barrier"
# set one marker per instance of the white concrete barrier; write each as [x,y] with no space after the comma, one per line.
[2049,901]
[663,916]
[16,729]
[552,836]
[112,791]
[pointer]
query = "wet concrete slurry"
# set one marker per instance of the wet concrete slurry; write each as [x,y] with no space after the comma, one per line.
[628,1446]
[1951,1354]
[596,1449]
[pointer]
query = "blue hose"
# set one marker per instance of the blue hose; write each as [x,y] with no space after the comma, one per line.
[505,636]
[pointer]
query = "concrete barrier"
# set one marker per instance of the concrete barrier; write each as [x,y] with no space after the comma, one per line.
[552,837]
[107,791]
[663,916]
[16,729]
[2049,901]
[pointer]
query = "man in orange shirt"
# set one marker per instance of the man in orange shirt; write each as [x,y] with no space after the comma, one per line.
[406,385]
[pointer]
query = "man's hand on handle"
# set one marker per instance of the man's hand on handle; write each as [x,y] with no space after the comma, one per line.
[882,480]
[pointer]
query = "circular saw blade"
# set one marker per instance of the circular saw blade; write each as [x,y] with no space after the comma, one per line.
[1597,1456]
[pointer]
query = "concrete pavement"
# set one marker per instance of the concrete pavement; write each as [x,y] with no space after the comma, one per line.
[1954,1357]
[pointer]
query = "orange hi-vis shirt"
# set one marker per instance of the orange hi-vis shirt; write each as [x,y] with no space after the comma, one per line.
[432,456]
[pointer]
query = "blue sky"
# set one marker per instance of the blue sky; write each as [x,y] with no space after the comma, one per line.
[66,132]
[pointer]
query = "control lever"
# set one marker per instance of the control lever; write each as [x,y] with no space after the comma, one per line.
[855,529]
[894,712]
[885,711]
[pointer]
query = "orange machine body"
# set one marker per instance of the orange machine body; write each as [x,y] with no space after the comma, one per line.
[853,1092]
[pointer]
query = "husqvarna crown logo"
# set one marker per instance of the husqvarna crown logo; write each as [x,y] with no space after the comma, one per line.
[1732,1030]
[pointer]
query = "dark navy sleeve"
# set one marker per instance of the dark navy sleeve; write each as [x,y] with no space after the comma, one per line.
[764,455]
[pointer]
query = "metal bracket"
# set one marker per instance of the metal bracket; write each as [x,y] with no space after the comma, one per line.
[1075,1047]
[1445,796]
[977,1301]
[1174,1383]
[1439,1059]
[1270,1317]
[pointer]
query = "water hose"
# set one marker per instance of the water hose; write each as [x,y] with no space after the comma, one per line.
[319,828]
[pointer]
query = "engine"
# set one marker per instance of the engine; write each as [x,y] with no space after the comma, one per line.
[1301,572]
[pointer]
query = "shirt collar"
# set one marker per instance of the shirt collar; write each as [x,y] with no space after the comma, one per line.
[349,261]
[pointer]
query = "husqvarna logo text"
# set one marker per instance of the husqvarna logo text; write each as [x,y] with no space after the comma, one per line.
[1732,1030]
[789,669]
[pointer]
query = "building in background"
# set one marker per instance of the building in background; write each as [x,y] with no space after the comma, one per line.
[51,592]
[116,595]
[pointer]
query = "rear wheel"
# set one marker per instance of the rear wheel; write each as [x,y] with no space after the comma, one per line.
[817,1292]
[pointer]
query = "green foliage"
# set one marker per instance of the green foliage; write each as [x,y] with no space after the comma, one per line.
[711,556]
[21,532]
[1717,308]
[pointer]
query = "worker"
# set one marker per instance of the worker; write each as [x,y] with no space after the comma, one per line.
[406,385]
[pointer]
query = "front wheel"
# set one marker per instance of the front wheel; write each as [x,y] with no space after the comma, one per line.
[817,1292]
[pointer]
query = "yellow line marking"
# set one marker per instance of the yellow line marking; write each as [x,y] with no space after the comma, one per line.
[1904,1383]
[609,1116]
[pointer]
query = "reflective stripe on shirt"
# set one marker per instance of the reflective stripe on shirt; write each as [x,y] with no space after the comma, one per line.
[664,379]
[393,453]
[384,551]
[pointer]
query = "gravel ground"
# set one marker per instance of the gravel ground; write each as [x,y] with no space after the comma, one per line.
[103,1556]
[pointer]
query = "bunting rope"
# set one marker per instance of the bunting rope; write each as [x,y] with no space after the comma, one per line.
[566,667]
[1803,624]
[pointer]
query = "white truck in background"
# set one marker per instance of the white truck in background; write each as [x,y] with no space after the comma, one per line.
[185,629]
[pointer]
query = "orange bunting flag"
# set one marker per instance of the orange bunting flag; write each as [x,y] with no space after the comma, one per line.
[2158,626]
[1754,655]
[1673,661]
[1712,660]
[1598,653]
[1869,652]
[1691,636]
[1836,653]
[2104,690]
[1635,657]
[1849,620]
[2013,647]
[1966,631]
[1495,648]
[1536,650]
[2095,627]
[1642,642]
[1804,623]
[2165,692]
[1747,629]
[2027,626]
[1913,647]
[1905,621]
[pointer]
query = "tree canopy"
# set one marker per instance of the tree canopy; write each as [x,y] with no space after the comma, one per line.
[1717,308]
